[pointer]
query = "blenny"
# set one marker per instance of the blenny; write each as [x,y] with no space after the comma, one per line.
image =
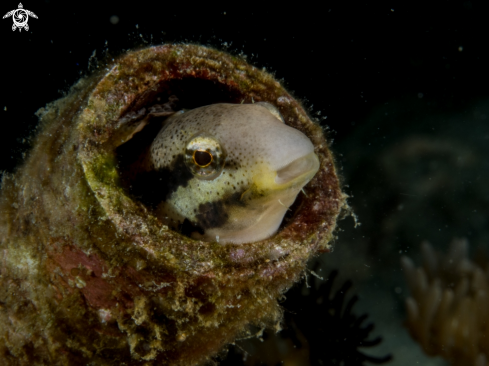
[223,172]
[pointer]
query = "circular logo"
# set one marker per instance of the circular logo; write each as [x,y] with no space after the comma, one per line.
[20,17]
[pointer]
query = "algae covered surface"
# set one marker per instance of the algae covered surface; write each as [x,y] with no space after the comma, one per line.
[89,275]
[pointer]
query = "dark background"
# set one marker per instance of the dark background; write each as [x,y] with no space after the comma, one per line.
[402,88]
[342,59]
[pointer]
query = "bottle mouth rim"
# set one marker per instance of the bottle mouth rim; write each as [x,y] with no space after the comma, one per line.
[114,96]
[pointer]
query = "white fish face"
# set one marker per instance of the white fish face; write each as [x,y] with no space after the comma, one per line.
[229,171]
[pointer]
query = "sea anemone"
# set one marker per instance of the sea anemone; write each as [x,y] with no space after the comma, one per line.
[448,310]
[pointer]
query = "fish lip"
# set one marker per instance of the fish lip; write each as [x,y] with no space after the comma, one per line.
[298,171]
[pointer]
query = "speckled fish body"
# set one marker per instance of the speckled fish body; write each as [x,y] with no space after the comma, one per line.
[228,172]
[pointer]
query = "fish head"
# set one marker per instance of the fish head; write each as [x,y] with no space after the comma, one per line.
[233,170]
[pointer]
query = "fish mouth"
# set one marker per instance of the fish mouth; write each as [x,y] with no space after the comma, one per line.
[299,171]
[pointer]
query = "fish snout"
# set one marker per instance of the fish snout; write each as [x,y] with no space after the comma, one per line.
[298,172]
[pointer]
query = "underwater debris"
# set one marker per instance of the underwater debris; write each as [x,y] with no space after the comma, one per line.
[90,276]
[320,328]
[448,310]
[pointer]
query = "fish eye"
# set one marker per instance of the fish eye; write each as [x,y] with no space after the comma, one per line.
[204,156]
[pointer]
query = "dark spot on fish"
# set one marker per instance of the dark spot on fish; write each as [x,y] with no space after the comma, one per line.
[212,214]
[156,186]
[215,214]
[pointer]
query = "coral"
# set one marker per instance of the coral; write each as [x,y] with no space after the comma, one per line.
[89,275]
[448,310]
[320,328]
